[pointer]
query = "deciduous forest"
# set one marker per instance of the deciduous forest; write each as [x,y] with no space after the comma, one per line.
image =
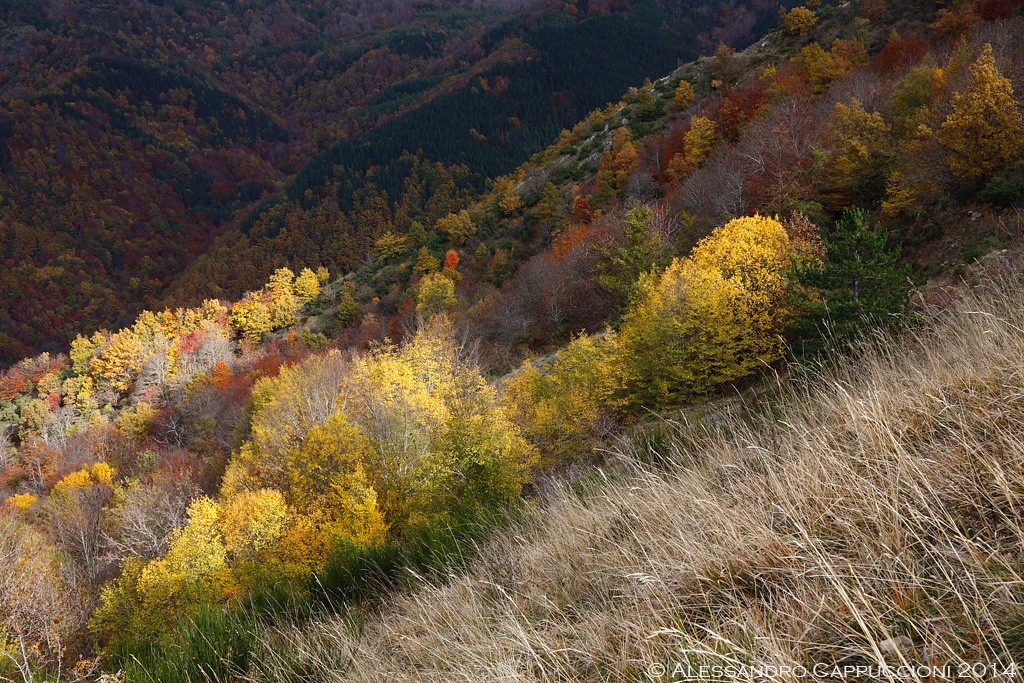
[150,148]
[475,341]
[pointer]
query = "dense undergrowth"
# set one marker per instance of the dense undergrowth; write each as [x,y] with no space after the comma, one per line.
[224,643]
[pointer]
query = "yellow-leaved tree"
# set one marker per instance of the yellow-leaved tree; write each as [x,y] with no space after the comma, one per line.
[863,158]
[341,453]
[799,20]
[984,131]
[303,445]
[389,244]
[684,95]
[562,407]
[283,411]
[223,550]
[306,286]
[440,440]
[120,361]
[615,167]
[283,302]
[83,350]
[458,226]
[329,486]
[699,140]
[710,319]
[435,294]
[149,596]
[251,318]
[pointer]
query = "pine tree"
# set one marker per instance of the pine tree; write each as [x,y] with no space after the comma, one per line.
[859,285]
[425,262]
[347,305]
[647,108]
[417,233]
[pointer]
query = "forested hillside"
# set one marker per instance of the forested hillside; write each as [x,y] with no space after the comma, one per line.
[136,137]
[293,483]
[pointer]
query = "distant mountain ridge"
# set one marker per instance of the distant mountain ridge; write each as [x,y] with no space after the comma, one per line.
[136,137]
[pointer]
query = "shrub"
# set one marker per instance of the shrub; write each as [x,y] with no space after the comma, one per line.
[1006,188]
[562,406]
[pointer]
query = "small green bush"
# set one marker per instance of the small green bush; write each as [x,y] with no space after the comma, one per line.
[1006,188]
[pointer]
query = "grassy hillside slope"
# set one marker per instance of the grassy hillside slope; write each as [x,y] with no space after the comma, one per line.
[872,515]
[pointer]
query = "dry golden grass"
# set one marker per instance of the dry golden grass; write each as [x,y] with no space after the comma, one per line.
[882,501]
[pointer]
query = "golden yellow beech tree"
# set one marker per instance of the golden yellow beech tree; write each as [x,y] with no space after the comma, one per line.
[328,483]
[223,550]
[440,439]
[251,318]
[252,523]
[684,95]
[562,407]
[283,411]
[306,286]
[304,447]
[120,361]
[699,140]
[799,20]
[83,350]
[22,502]
[341,453]
[984,130]
[149,596]
[395,438]
[283,302]
[709,319]
[860,136]
[822,67]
